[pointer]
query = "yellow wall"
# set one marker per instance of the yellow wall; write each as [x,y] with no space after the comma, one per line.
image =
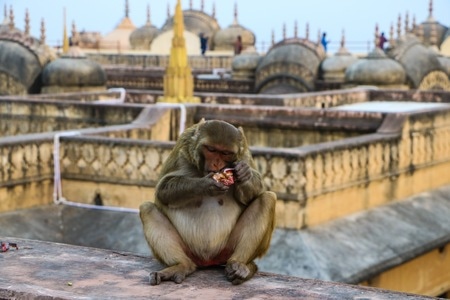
[425,275]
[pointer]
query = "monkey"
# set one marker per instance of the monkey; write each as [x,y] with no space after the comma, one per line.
[196,221]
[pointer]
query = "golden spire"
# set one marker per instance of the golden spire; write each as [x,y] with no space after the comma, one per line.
[65,46]
[178,80]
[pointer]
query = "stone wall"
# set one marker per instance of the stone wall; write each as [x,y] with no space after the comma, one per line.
[160,61]
[25,116]
[147,79]
[324,99]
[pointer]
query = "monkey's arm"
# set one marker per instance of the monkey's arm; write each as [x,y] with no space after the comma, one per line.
[177,189]
[249,183]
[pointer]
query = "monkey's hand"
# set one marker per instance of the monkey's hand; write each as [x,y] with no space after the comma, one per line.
[242,171]
[213,187]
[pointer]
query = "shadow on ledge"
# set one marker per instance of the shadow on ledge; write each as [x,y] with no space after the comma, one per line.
[45,270]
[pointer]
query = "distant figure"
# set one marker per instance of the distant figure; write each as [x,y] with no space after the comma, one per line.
[324,41]
[382,41]
[203,43]
[238,45]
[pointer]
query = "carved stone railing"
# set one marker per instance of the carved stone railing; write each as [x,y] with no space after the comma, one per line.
[26,172]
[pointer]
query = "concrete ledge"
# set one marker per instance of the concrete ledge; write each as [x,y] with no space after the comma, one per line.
[43,270]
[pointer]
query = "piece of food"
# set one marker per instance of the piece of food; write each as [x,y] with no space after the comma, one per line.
[225,176]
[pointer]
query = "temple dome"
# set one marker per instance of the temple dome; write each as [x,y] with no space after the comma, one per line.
[225,38]
[445,62]
[244,65]
[142,38]
[333,67]
[417,59]
[428,27]
[120,36]
[431,32]
[22,59]
[376,69]
[196,21]
[289,66]
[73,72]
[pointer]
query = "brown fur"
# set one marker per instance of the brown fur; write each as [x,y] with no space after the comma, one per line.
[196,221]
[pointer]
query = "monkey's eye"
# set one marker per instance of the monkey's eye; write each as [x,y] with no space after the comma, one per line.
[209,148]
[221,152]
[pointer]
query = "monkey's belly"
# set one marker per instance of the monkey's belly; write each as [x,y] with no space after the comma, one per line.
[205,228]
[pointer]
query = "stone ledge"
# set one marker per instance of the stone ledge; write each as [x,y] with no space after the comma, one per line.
[43,270]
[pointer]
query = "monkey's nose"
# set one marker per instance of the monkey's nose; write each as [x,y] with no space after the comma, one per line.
[218,165]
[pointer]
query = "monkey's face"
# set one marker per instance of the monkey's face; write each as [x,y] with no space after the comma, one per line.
[218,157]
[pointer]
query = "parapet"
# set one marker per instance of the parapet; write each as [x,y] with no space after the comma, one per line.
[44,270]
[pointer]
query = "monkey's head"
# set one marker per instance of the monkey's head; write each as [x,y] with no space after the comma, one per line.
[217,145]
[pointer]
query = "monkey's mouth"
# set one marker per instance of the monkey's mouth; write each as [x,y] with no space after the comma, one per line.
[226,176]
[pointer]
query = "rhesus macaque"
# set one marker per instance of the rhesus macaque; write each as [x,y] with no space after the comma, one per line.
[200,219]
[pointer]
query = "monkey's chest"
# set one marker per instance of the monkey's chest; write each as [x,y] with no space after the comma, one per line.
[205,228]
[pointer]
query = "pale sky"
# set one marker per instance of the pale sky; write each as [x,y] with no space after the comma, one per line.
[356,17]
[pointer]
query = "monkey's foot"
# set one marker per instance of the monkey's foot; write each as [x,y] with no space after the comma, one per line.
[175,273]
[238,272]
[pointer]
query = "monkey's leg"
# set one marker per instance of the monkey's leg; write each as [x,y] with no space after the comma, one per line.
[166,245]
[251,238]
